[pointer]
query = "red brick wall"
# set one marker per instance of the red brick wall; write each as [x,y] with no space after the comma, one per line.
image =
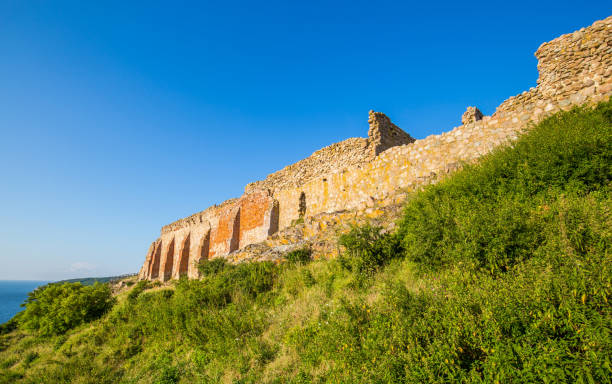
[222,235]
[253,208]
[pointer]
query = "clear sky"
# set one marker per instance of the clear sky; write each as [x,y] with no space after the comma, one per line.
[119,117]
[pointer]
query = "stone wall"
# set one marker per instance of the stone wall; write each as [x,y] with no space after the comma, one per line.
[573,69]
[350,152]
[383,134]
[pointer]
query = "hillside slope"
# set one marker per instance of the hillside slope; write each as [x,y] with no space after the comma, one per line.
[500,273]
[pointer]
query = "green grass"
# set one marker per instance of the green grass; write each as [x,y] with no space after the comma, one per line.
[500,273]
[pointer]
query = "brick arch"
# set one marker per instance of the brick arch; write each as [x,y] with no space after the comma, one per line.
[155,263]
[169,260]
[234,243]
[200,251]
[183,261]
[204,247]
[274,217]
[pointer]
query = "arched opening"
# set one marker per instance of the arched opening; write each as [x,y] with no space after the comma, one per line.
[204,247]
[235,240]
[146,268]
[169,261]
[274,218]
[184,256]
[154,272]
[302,205]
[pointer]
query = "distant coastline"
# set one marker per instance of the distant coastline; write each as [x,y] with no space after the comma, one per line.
[92,280]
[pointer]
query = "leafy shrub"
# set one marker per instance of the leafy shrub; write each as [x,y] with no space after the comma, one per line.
[140,287]
[492,215]
[367,248]
[221,280]
[56,308]
[301,256]
[212,267]
[9,326]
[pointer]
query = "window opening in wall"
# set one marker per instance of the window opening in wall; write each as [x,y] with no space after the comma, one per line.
[302,206]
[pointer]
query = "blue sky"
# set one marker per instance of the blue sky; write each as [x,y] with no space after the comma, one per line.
[119,117]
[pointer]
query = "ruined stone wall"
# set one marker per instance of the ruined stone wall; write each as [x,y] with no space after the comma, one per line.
[214,232]
[259,218]
[383,134]
[353,151]
[573,69]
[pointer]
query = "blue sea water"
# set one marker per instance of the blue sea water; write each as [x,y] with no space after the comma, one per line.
[12,294]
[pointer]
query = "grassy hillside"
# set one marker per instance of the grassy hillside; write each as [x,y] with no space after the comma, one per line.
[501,273]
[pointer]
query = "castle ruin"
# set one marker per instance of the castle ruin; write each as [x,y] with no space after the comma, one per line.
[574,69]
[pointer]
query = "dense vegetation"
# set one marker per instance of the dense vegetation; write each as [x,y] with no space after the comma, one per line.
[501,273]
[56,308]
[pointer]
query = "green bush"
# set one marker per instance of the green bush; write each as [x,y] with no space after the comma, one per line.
[299,256]
[9,326]
[140,287]
[367,248]
[492,215]
[56,308]
[222,281]
[212,267]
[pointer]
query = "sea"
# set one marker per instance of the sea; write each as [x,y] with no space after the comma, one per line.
[12,294]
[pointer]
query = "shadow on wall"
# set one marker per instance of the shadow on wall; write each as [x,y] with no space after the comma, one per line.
[235,240]
[154,273]
[274,218]
[183,264]
[169,261]
[302,206]
[204,246]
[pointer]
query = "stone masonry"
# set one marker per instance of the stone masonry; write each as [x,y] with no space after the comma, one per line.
[471,115]
[360,173]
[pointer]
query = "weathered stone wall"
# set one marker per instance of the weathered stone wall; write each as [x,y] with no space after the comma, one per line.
[353,151]
[471,115]
[259,217]
[383,134]
[214,232]
[573,69]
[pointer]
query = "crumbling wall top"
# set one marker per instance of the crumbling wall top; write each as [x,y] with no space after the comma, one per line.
[383,134]
[346,153]
[471,115]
